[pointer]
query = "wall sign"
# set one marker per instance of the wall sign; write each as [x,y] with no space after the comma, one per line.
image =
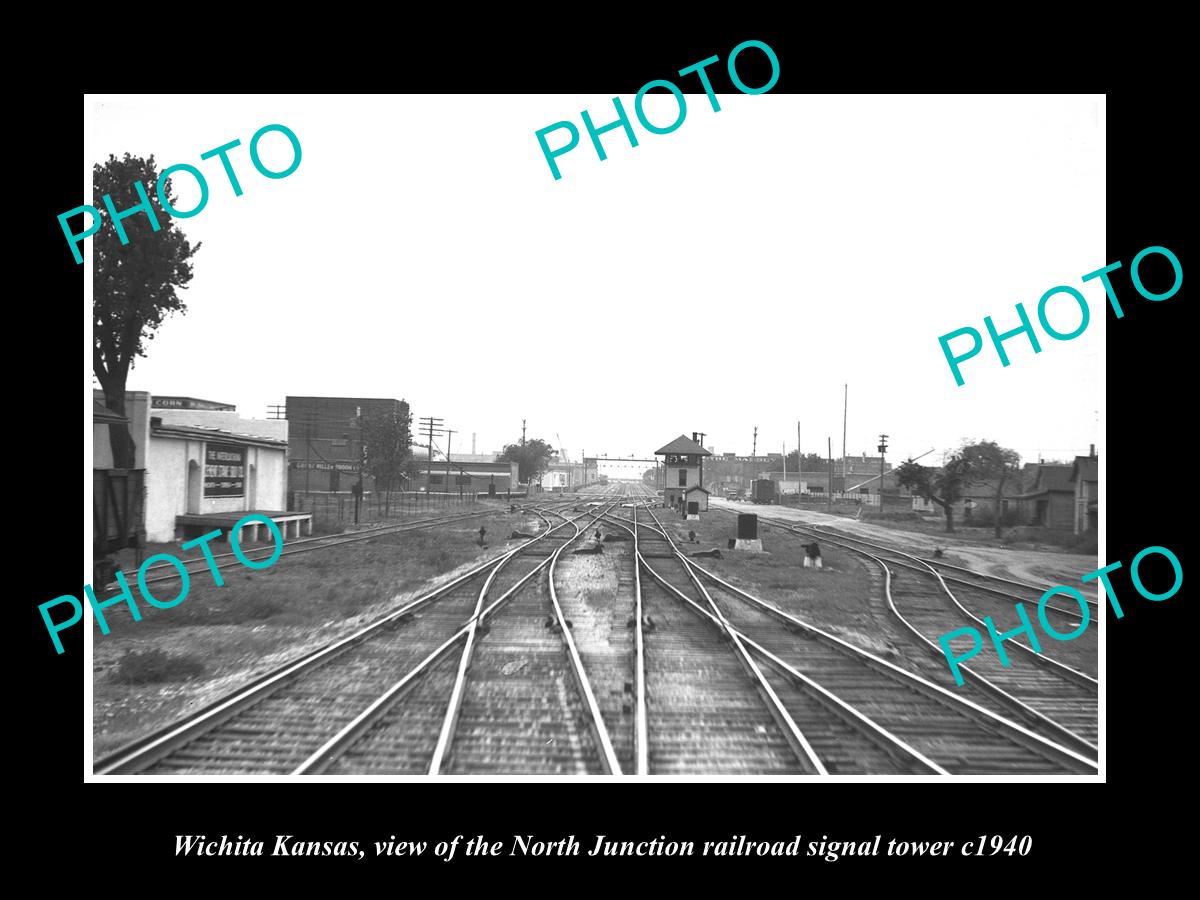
[224,470]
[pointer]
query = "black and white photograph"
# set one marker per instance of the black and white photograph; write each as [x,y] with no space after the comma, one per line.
[436,436]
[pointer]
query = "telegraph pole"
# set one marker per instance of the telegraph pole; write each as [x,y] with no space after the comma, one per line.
[449,436]
[882,449]
[701,458]
[799,464]
[431,426]
[362,455]
[522,432]
[845,405]
[308,426]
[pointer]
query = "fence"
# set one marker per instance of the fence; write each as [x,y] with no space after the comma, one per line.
[337,509]
[818,499]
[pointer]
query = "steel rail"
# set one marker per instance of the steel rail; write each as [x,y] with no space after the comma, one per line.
[1063,754]
[1064,733]
[891,744]
[147,750]
[838,540]
[608,757]
[791,731]
[1018,584]
[374,531]
[303,545]
[454,707]
[641,729]
[1068,672]
[895,747]
[329,752]
[923,564]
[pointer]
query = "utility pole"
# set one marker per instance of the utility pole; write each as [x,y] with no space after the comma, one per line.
[522,432]
[307,460]
[829,452]
[799,464]
[754,446]
[882,449]
[362,456]
[701,458]
[845,405]
[783,447]
[449,436]
[431,426]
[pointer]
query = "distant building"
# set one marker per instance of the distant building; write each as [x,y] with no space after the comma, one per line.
[465,476]
[732,472]
[325,443]
[979,498]
[861,474]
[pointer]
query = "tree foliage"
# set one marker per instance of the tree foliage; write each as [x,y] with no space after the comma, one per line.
[387,447]
[988,462]
[942,486]
[812,462]
[532,458]
[135,285]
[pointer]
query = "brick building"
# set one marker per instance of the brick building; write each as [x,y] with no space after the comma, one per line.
[325,442]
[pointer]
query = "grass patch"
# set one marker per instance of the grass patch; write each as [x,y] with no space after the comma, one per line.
[156,666]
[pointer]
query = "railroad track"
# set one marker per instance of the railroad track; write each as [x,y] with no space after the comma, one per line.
[975,595]
[1045,694]
[488,674]
[1006,587]
[865,714]
[168,572]
[310,715]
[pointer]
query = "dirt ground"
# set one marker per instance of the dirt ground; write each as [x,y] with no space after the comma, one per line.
[836,597]
[175,660]
[1037,567]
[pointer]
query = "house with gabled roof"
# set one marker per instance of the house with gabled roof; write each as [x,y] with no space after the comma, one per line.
[1085,478]
[1051,501]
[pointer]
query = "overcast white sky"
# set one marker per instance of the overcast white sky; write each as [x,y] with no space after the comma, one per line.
[734,273]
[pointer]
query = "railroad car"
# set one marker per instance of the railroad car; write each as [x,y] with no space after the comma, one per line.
[762,490]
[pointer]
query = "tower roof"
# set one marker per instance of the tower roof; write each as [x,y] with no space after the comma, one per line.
[683,445]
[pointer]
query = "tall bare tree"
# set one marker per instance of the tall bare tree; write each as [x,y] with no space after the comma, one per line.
[135,285]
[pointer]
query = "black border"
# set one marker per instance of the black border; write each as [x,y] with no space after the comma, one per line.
[1147,678]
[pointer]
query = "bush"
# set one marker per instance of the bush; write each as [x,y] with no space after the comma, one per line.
[985,516]
[154,666]
[895,515]
[1087,542]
